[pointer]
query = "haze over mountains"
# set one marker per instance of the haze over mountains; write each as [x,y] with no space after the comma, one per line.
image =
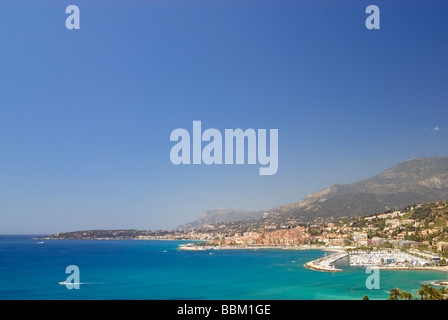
[413,181]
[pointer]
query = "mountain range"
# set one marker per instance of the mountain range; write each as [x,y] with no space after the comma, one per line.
[413,181]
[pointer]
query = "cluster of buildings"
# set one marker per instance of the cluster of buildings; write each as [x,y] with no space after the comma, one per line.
[294,236]
[281,237]
[395,231]
[391,229]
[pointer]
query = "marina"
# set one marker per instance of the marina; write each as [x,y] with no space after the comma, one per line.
[392,259]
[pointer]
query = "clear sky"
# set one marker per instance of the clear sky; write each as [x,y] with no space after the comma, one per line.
[86,115]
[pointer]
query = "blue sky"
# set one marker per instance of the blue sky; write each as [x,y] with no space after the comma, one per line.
[86,115]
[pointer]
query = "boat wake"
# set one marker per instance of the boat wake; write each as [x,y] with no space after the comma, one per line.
[63,283]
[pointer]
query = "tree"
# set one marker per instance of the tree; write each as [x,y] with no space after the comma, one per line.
[395,294]
[398,294]
[428,292]
[407,296]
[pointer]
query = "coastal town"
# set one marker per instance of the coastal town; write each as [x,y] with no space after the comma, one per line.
[414,237]
[422,226]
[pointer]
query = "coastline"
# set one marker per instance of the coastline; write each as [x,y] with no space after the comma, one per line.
[295,248]
[116,239]
[321,264]
[285,269]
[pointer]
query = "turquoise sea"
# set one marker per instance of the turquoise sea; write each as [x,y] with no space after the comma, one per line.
[132,269]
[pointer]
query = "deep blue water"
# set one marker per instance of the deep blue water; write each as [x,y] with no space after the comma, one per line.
[132,269]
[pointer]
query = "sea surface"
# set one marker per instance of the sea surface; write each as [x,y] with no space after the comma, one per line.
[151,269]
